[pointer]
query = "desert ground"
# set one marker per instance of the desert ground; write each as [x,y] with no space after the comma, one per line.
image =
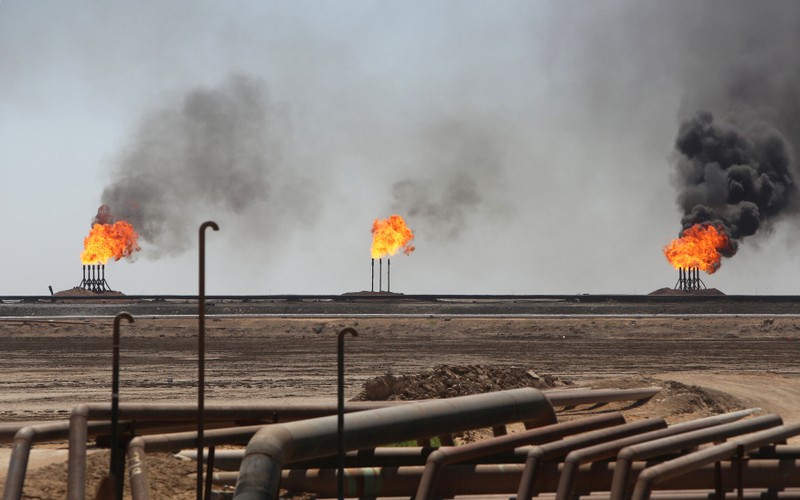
[711,355]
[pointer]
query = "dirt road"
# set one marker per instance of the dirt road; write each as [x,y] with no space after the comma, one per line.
[56,356]
[48,367]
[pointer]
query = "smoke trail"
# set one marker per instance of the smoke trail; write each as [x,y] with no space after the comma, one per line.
[217,149]
[739,178]
[463,164]
[736,163]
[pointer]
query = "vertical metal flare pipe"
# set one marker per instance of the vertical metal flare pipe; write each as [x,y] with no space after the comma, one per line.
[456,454]
[651,476]
[270,448]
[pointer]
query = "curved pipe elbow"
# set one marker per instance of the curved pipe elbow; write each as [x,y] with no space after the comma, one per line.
[260,471]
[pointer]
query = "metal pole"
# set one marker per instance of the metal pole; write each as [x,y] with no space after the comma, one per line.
[388,275]
[372,283]
[209,471]
[201,330]
[116,470]
[340,414]
[380,274]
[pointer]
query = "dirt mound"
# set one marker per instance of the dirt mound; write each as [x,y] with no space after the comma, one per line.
[676,402]
[86,293]
[170,477]
[683,293]
[443,381]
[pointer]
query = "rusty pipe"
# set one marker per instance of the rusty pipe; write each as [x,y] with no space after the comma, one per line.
[201,348]
[531,473]
[8,430]
[575,397]
[340,400]
[79,423]
[275,445]
[231,460]
[650,449]
[137,470]
[22,443]
[455,454]
[76,456]
[609,449]
[486,480]
[115,467]
[137,448]
[20,452]
[649,477]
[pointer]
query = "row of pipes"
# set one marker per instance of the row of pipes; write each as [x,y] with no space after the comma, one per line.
[167,427]
[294,447]
[307,447]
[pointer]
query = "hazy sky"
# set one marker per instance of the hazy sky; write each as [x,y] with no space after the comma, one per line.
[529,144]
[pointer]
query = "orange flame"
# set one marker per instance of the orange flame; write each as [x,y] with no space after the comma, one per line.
[699,246]
[106,241]
[389,235]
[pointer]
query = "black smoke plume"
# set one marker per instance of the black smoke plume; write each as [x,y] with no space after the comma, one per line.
[737,178]
[213,151]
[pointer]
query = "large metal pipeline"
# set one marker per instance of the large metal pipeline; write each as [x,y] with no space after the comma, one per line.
[485,480]
[651,449]
[188,414]
[137,448]
[609,449]
[24,440]
[8,430]
[575,397]
[456,454]
[511,450]
[686,463]
[270,448]
[532,471]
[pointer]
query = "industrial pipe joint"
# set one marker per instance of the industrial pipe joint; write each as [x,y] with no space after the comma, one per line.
[271,447]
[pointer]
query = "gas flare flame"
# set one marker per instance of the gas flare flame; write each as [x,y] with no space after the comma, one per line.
[700,246]
[106,241]
[389,236]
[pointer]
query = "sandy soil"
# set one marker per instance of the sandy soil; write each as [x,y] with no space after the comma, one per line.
[706,364]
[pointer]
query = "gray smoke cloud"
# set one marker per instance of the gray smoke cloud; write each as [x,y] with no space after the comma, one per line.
[220,148]
[467,162]
[736,154]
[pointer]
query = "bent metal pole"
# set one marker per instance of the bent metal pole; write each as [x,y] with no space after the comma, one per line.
[116,469]
[340,410]
[201,358]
